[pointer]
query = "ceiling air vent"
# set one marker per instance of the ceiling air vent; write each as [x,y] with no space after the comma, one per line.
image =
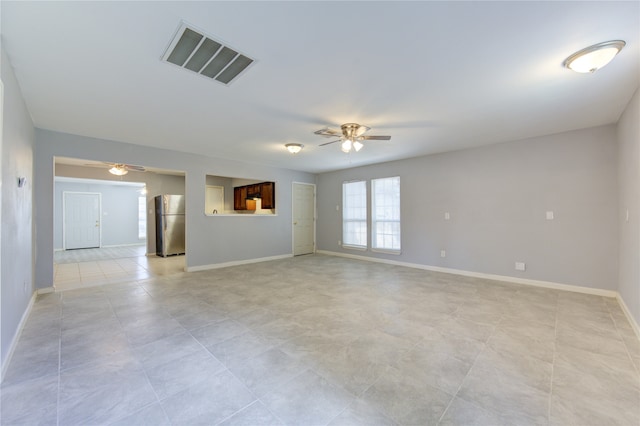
[194,51]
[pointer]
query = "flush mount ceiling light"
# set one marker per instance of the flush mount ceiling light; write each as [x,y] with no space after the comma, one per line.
[294,148]
[592,58]
[118,170]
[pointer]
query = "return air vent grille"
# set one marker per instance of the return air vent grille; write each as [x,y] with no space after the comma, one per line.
[192,50]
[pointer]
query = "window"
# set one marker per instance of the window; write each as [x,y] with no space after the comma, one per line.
[354,214]
[385,213]
[142,217]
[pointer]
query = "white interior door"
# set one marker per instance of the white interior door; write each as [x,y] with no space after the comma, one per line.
[304,218]
[81,212]
[214,199]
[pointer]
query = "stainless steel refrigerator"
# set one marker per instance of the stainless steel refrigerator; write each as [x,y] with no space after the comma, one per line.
[170,225]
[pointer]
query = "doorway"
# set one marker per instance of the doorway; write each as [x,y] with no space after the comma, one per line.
[304,218]
[81,212]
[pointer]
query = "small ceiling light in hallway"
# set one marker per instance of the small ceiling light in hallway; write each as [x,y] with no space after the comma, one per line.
[294,148]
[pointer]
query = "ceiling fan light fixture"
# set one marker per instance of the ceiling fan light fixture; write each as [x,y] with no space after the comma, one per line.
[346,146]
[118,170]
[294,148]
[357,145]
[592,58]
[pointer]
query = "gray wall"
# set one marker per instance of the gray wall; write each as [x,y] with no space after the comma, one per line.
[629,181]
[17,242]
[210,240]
[119,224]
[497,197]
[156,184]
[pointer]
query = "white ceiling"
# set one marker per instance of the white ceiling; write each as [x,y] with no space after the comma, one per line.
[436,76]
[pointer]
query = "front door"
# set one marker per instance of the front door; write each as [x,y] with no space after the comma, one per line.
[304,207]
[81,212]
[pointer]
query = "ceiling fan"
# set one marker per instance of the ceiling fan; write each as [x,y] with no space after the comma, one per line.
[119,169]
[350,135]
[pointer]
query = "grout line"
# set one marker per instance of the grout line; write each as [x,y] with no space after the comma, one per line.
[144,371]
[553,361]
[484,347]
[59,361]
[624,341]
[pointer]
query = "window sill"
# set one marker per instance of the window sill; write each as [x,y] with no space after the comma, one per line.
[386,251]
[359,248]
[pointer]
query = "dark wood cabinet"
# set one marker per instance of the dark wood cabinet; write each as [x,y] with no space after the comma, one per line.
[268,195]
[240,198]
[266,191]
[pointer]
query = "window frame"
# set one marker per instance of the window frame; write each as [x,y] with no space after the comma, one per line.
[364,220]
[396,218]
[142,217]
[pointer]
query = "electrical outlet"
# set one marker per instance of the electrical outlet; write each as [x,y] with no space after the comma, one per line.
[339,242]
[447,216]
[549,215]
[443,253]
[337,208]
[521,266]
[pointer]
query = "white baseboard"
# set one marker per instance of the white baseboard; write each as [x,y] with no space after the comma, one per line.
[630,318]
[16,337]
[236,263]
[45,290]
[505,278]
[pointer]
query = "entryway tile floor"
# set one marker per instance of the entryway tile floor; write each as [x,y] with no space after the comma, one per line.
[74,270]
[322,340]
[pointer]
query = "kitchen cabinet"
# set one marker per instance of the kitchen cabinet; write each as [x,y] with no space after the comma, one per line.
[240,198]
[268,195]
[264,190]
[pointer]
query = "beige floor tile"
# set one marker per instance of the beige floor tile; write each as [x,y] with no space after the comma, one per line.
[318,340]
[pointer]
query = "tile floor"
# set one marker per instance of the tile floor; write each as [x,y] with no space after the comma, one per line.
[74,269]
[102,253]
[321,340]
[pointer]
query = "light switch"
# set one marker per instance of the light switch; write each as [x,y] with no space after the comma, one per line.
[447,216]
[549,215]
[443,253]
[337,208]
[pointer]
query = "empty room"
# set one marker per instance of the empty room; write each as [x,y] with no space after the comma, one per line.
[320,213]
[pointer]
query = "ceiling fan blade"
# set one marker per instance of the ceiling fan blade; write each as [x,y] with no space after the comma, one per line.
[328,133]
[375,138]
[329,143]
[135,168]
[361,130]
